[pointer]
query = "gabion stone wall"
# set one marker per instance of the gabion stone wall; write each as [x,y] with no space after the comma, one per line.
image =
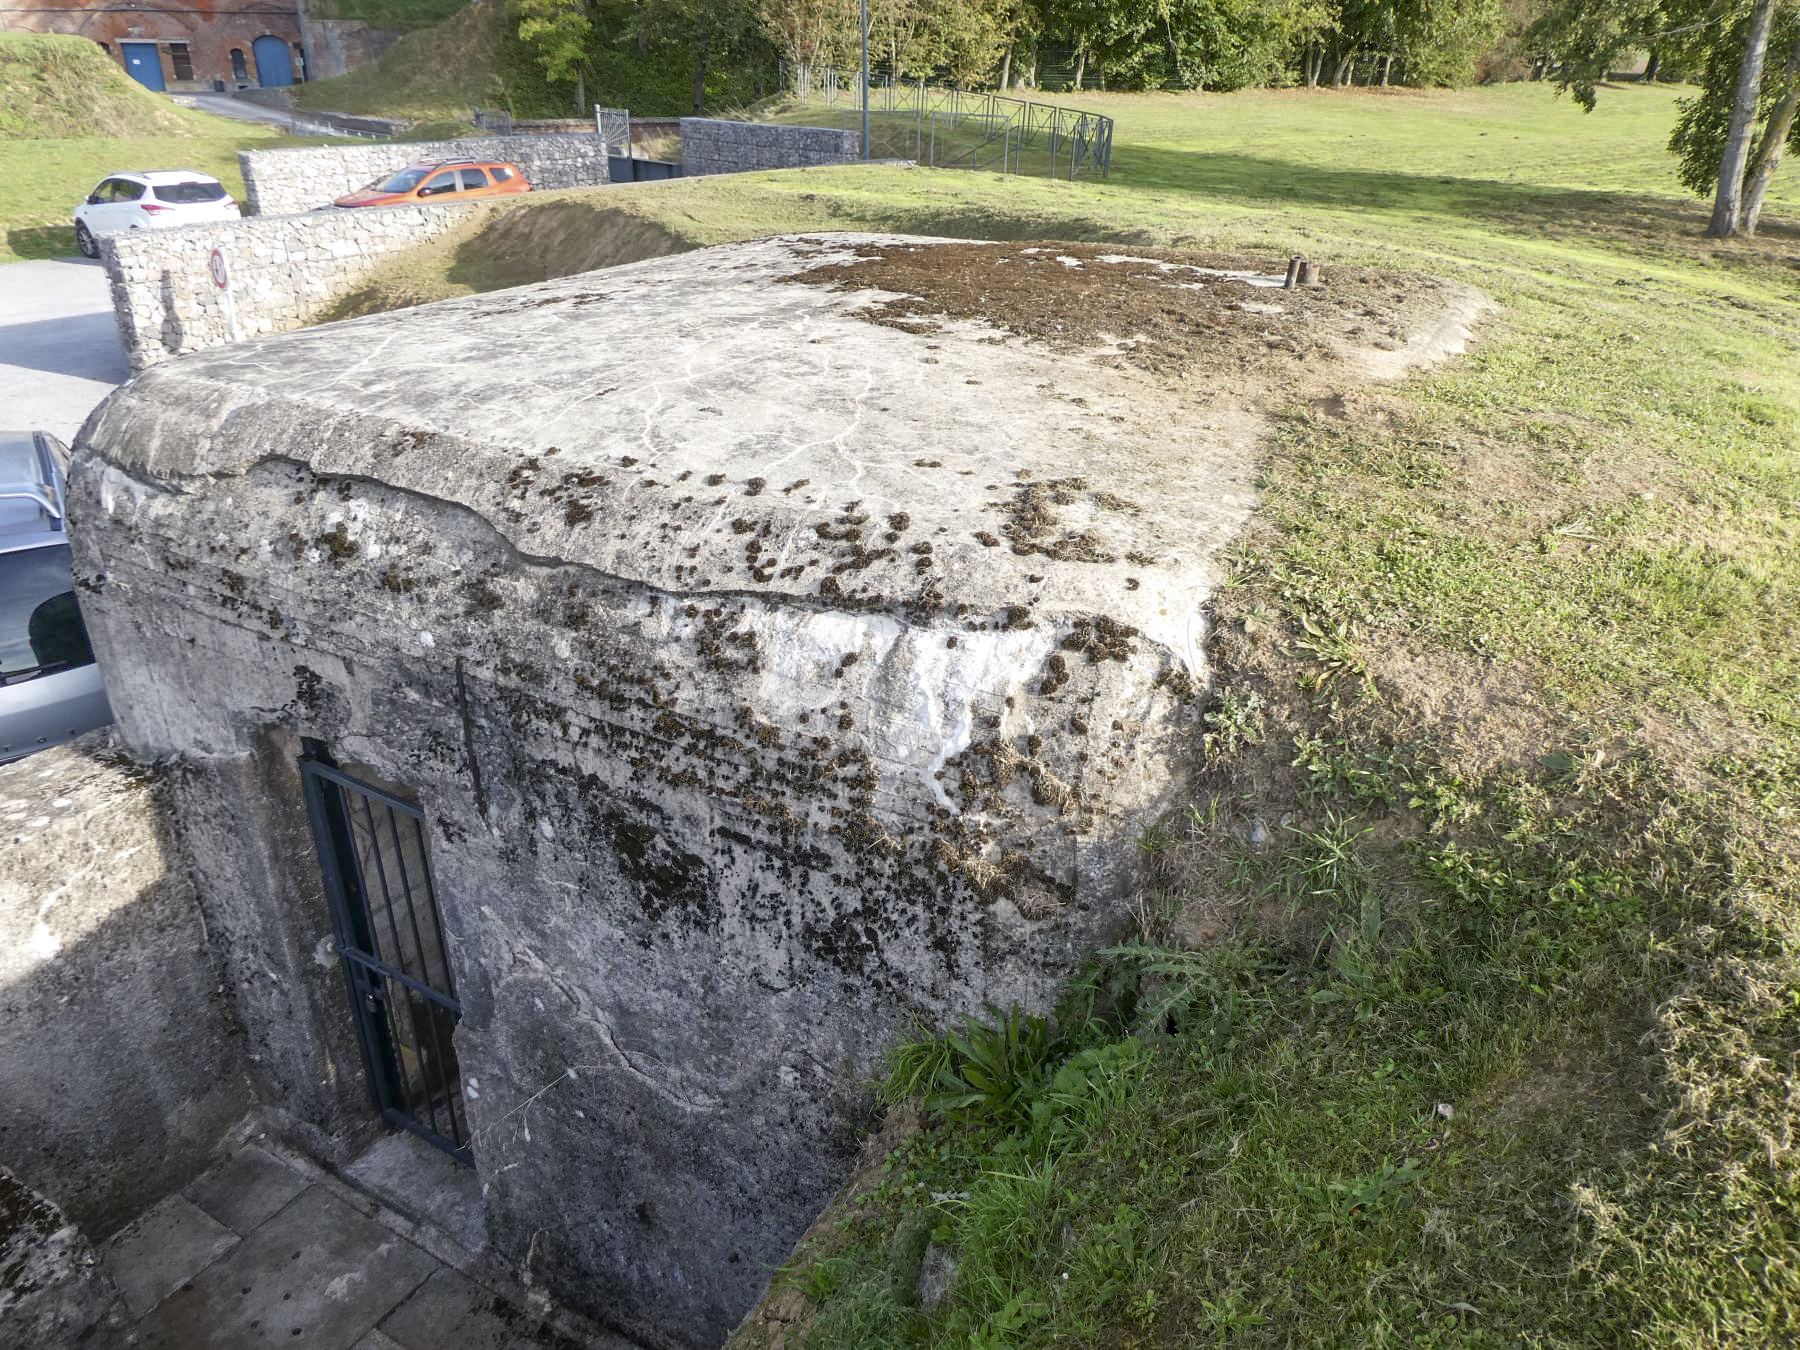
[712,145]
[281,182]
[284,270]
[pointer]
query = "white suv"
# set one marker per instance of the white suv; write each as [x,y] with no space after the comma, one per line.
[150,201]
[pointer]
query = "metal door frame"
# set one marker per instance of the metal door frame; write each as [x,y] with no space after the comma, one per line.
[366,970]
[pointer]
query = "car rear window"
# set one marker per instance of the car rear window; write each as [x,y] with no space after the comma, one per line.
[502,175]
[40,625]
[404,181]
[183,194]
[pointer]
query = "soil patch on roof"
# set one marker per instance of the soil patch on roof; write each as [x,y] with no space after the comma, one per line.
[1175,313]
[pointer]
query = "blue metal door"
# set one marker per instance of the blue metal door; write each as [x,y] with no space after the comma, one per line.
[273,64]
[143,63]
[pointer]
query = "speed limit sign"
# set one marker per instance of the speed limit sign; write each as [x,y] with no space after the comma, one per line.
[221,274]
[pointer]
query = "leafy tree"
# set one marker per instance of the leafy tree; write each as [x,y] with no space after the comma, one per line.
[1731,135]
[1440,43]
[702,30]
[557,32]
[810,32]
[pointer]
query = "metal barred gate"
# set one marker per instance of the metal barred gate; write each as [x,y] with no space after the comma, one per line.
[384,910]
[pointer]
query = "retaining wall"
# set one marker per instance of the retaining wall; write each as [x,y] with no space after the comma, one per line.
[712,145]
[339,46]
[283,182]
[285,269]
[120,1064]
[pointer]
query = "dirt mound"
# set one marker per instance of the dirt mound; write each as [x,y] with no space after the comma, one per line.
[543,240]
[54,86]
[515,245]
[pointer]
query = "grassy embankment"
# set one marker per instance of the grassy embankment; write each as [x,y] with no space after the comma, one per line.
[69,116]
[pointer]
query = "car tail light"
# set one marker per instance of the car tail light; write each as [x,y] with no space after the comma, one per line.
[148,207]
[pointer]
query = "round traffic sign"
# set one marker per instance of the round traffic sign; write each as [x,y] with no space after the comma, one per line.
[221,274]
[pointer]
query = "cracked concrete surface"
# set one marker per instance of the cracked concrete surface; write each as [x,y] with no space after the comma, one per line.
[771,678]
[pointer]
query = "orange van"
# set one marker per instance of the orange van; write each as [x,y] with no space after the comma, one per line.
[447,180]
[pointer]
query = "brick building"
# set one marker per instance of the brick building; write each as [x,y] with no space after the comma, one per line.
[179,44]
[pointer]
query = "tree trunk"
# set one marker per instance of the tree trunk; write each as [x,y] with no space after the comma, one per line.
[1774,139]
[1728,204]
[700,75]
[1080,67]
[1654,68]
[581,103]
[1006,70]
[1387,66]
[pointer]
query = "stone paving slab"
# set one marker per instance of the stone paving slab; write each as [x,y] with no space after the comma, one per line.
[320,1265]
[451,1310]
[168,1245]
[247,1189]
[318,1276]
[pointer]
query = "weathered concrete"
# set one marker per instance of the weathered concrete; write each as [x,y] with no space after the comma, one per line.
[53,1293]
[285,182]
[284,271]
[712,145]
[775,754]
[119,1065]
[678,595]
[338,46]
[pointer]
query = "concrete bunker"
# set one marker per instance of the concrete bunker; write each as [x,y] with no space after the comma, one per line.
[769,647]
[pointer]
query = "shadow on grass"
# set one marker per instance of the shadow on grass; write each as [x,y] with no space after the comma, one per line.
[41,241]
[1635,219]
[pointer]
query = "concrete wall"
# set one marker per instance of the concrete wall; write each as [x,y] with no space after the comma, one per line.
[120,1068]
[712,145]
[338,46]
[283,182]
[284,270]
[54,1295]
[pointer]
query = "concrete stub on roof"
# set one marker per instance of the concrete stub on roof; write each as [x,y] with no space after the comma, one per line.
[786,642]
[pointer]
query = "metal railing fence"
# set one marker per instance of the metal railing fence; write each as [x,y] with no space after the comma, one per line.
[945,127]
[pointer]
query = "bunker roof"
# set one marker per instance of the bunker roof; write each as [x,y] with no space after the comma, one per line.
[707,423]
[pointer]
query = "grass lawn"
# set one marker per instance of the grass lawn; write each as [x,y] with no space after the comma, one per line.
[50,177]
[1491,1041]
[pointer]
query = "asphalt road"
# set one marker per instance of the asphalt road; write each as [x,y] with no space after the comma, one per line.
[223,105]
[60,352]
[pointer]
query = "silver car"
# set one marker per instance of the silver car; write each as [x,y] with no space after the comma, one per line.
[50,689]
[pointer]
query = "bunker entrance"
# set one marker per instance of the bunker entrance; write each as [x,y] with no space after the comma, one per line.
[377,873]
